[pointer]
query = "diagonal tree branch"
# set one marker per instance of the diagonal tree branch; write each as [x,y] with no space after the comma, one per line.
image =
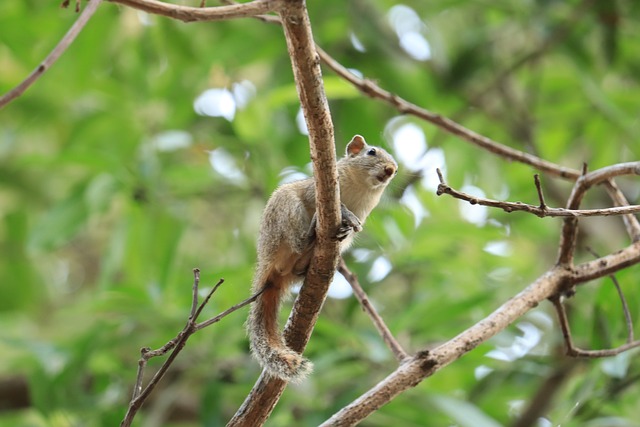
[57,51]
[428,362]
[372,90]
[193,14]
[388,338]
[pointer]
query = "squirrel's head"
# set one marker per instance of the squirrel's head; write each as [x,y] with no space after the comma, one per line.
[377,166]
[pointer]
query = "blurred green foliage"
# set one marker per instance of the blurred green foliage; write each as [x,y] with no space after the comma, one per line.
[113,187]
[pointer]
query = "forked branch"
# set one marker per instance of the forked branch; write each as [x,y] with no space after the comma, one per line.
[541,210]
[175,346]
[574,351]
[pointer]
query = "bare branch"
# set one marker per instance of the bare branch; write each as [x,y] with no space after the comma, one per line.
[175,345]
[630,221]
[193,14]
[308,76]
[587,180]
[388,338]
[536,179]
[372,90]
[574,351]
[541,211]
[228,311]
[57,51]
[427,362]
[623,302]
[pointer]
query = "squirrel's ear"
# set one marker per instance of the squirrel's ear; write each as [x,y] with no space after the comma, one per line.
[356,145]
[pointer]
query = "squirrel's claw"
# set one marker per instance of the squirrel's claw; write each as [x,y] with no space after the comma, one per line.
[350,222]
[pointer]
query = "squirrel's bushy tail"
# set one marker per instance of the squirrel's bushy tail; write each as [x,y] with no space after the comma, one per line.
[267,342]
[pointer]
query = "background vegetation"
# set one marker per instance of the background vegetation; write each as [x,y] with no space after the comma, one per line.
[152,146]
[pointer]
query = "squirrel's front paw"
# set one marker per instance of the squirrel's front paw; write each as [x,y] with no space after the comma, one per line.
[343,232]
[349,223]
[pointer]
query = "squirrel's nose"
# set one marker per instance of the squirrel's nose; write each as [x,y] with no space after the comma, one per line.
[389,170]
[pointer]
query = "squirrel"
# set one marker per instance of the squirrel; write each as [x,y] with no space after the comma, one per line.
[286,242]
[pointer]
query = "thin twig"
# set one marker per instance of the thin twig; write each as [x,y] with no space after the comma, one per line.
[574,351]
[536,179]
[194,294]
[372,90]
[174,345]
[57,51]
[228,311]
[388,338]
[630,221]
[569,233]
[193,14]
[541,211]
[623,301]
[208,297]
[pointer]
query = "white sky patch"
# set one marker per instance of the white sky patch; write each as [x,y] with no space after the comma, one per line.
[474,214]
[500,274]
[617,366]
[302,124]
[521,345]
[243,92]
[416,45]
[361,254]
[339,288]
[216,103]
[498,248]
[356,72]
[290,174]
[411,201]
[172,140]
[380,268]
[225,165]
[409,143]
[144,18]
[516,407]
[482,371]
[394,232]
[356,43]
[543,422]
[434,159]
[410,30]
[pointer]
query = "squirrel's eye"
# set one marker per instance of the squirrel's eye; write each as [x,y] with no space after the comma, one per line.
[371,152]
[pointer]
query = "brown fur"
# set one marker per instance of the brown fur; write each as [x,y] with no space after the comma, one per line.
[285,246]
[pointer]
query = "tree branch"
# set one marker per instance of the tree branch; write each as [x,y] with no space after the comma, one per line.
[427,362]
[574,351]
[542,211]
[630,221]
[399,353]
[140,394]
[587,180]
[57,51]
[193,14]
[308,76]
[372,90]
